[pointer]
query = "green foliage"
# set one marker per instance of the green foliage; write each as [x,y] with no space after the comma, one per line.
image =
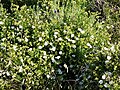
[108,12]
[113,22]
[59,48]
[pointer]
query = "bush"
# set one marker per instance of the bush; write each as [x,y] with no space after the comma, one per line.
[59,49]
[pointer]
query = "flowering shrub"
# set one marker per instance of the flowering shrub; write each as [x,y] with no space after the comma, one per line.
[60,49]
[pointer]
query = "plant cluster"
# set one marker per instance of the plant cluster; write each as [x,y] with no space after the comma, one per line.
[107,11]
[57,48]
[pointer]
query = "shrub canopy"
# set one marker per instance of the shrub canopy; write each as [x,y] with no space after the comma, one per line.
[60,47]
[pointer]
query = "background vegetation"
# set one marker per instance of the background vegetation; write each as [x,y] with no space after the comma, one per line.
[59,45]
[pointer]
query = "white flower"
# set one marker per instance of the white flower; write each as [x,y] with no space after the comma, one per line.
[101,82]
[47,7]
[46,43]
[40,47]
[73,41]
[19,39]
[60,52]
[106,48]
[30,49]
[79,29]
[20,26]
[111,82]
[108,27]
[52,70]
[112,48]
[21,60]
[44,52]
[3,39]
[103,76]
[12,27]
[55,33]
[65,66]
[60,39]
[26,40]
[85,56]
[51,43]
[55,36]
[19,33]
[64,31]
[53,60]
[77,38]
[106,85]
[65,23]
[13,35]
[17,29]
[1,23]
[109,73]
[48,76]
[91,37]
[44,56]
[58,57]
[74,46]
[68,39]
[40,38]
[103,43]
[72,35]
[112,26]
[88,44]
[53,48]
[14,75]
[29,73]
[8,74]
[20,69]
[3,73]
[59,71]
[108,57]
[15,47]
[33,26]
[73,55]
[82,31]
[28,9]
[43,33]
[107,61]
[32,82]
